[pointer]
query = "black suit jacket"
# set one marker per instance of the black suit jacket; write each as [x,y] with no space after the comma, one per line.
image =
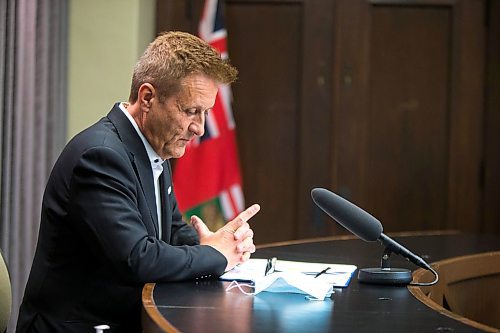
[98,240]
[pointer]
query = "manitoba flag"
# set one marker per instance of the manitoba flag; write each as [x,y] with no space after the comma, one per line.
[207,178]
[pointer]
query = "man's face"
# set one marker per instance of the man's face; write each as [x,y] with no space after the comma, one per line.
[170,125]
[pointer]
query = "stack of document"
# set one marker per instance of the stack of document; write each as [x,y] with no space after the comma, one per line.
[337,275]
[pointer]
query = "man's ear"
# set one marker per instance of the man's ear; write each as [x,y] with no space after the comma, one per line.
[146,95]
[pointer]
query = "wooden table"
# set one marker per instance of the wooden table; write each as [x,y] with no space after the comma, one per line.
[206,306]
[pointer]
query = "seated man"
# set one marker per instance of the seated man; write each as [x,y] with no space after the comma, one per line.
[110,221]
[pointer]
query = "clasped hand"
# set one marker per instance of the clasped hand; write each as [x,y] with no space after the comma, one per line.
[234,240]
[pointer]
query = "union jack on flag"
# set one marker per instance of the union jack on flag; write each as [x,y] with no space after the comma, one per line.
[207,178]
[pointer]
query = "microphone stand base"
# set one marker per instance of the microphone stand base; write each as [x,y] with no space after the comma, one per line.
[388,276]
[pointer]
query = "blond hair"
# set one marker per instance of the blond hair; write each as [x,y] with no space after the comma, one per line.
[174,55]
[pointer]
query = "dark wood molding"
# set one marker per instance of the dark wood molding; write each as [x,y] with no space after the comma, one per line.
[455,271]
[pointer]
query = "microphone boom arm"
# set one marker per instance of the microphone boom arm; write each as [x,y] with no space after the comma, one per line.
[397,248]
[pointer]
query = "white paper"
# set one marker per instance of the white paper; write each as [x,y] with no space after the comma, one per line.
[338,275]
[250,270]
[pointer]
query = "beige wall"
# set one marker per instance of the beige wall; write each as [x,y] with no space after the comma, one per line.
[106,39]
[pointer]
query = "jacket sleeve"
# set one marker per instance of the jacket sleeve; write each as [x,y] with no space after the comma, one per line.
[104,205]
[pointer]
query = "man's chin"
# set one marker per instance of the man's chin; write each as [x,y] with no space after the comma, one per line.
[178,153]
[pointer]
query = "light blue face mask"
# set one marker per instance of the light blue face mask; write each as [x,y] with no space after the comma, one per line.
[287,282]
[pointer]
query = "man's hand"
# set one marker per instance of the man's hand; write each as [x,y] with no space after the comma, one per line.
[234,240]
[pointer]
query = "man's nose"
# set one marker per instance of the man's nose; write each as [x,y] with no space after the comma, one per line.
[197,127]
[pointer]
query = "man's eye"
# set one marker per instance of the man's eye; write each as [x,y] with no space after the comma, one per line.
[194,112]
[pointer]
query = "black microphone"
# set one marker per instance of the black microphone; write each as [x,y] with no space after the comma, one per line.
[368,228]
[347,214]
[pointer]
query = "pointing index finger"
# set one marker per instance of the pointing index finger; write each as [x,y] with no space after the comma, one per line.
[248,213]
[244,216]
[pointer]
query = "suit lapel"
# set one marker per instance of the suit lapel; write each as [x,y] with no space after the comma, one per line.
[140,160]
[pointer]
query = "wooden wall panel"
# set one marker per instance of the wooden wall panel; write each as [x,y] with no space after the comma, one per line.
[351,96]
[266,110]
[406,170]
[316,117]
[407,140]
[178,15]
[466,115]
[283,110]
[491,181]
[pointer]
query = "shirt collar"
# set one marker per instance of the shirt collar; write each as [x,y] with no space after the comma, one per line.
[154,158]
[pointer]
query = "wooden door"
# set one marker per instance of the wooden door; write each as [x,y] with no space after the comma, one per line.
[407,126]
